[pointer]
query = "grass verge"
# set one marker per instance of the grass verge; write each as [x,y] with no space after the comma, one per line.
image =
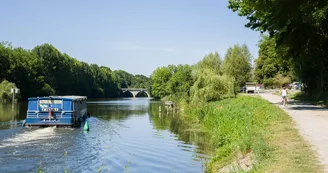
[322,100]
[250,125]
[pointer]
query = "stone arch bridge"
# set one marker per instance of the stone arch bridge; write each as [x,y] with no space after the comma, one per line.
[135,91]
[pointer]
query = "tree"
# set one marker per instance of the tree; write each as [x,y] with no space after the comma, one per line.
[123,78]
[172,81]
[5,49]
[211,61]
[209,85]
[271,63]
[44,70]
[181,80]
[280,80]
[238,64]
[160,79]
[300,27]
[140,81]
[5,91]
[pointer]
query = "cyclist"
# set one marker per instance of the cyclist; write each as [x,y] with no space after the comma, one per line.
[284,93]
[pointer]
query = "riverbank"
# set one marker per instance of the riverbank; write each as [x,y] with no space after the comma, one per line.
[253,131]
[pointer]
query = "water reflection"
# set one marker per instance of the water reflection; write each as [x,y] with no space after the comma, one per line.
[123,133]
[10,119]
[187,130]
[118,109]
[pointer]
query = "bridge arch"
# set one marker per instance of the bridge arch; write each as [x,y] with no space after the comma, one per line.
[135,91]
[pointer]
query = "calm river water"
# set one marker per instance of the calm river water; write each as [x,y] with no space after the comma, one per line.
[126,135]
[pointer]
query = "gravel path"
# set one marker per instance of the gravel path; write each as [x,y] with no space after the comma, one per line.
[312,122]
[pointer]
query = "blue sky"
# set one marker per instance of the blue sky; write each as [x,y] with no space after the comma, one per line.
[136,35]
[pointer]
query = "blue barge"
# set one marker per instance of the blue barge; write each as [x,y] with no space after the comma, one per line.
[56,111]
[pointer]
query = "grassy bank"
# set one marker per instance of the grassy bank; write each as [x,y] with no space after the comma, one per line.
[253,128]
[322,100]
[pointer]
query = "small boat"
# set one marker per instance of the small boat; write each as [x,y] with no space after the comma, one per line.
[68,111]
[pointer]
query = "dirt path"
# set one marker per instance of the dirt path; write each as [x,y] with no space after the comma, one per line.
[312,122]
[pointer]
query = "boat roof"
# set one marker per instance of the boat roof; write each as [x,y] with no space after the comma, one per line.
[68,97]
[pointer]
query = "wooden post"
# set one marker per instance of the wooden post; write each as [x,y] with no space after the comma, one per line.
[13,105]
[14,91]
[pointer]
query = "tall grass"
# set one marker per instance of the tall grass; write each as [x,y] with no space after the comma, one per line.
[245,125]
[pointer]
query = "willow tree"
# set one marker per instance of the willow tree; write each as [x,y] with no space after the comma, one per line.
[209,84]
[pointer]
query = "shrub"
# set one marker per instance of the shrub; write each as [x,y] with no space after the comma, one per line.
[5,91]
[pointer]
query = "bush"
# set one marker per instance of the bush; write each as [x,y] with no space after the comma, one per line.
[5,91]
[210,86]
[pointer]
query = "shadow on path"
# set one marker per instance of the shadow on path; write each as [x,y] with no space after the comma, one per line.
[297,105]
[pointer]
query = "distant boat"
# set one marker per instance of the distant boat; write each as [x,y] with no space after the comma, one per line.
[68,111]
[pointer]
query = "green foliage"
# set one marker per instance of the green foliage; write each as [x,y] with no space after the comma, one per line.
[299,27]
[238,125]
[44,70]
[122,78]
[40,170]
[171,80]
[180,81]
[5,91]
[140,81]
[271,67]
[209,85]
[306,97]
[127,80]
[250,128]
[198,83]
[238,64]
[159,79]
[5,49]
[211,61]
[281,80]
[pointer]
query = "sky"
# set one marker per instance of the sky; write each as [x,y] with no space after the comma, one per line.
[132,35]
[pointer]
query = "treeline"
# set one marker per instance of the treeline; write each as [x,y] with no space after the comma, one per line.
[271,69]
[44,70]
[212,78]
[298,37]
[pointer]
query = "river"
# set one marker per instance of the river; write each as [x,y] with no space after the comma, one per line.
[126,135]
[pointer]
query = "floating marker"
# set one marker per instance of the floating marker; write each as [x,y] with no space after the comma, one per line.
[86,126]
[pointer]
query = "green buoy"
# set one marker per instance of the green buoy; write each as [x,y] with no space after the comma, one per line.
[86,126]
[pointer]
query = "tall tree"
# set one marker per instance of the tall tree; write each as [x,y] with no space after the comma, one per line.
[46,71]
[301,27]
[181,80]
[238,64]
[211,61]
[5,49]
[271,64]
[172,81]
[160,79]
